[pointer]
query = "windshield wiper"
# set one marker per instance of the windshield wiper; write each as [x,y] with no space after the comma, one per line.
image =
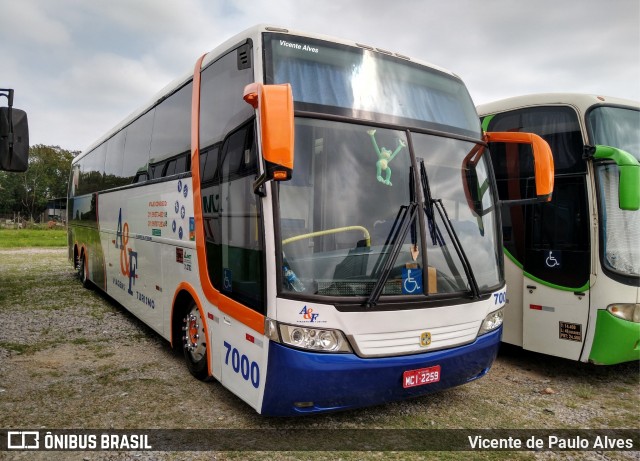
[405,217]
[436,235]
[434,231]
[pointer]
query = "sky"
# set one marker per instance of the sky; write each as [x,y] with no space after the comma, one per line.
[78,67]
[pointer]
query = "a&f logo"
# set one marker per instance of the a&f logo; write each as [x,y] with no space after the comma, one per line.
[128,257]
[307,314]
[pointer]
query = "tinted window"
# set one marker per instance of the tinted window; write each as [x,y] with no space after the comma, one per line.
[209,164]
[617,127]
[237,158]
[113,163]
[92,168]
[232,216]
[136,148]
[559,126]
[221,105]
[155,171]
[175,166]
[170,169]
[172,126]
[560,227]
[181,164]
[355,82]
[74,180]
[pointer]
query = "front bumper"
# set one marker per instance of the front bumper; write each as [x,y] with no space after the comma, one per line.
[615,340]
[331,382]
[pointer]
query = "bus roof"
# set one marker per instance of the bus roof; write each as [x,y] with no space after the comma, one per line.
[253,33]
[578,100]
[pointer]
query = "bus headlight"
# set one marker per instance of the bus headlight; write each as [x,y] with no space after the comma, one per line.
[315,339]
[492,321]
[626,311]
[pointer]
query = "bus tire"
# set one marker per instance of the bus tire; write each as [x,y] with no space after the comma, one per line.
[81,268]
[194,343]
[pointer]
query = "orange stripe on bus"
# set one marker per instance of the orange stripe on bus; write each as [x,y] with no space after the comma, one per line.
[241,313]
[236,310]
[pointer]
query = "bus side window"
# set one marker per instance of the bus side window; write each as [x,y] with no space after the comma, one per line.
[113,163]
[136,148]
[209,164]
[241,250]
[171,128]
[170,169]
[92,170]
[175,166]
[141,176]
[231,211]
[181,164]
[155,171]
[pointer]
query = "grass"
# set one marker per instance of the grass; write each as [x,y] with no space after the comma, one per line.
[24,238]
[131,374]
[26,281]
[584,391]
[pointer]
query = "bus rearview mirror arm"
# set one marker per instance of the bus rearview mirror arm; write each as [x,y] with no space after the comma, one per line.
[629,167]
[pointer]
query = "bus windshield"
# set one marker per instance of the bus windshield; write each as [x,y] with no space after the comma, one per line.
[358,83]
[616,127]
[352,191]
[620,228]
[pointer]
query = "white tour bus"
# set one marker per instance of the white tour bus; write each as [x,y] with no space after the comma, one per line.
[573,265]
[369,271]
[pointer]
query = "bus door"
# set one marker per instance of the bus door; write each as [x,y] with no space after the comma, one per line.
[235,251]
[556,268]
[547,244]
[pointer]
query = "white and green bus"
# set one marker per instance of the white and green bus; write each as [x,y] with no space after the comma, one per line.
[573,264]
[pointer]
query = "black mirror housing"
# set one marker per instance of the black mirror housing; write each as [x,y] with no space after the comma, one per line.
[14,140]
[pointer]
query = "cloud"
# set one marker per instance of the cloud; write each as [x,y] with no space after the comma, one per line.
[31,23]
[87,65]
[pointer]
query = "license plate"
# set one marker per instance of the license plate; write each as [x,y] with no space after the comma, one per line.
[412,378]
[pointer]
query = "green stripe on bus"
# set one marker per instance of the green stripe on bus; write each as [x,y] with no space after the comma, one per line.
[584,287]
[486,121]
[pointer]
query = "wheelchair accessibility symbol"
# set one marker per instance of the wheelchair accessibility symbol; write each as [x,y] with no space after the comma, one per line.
[553,260]
[227,280]
[411,281]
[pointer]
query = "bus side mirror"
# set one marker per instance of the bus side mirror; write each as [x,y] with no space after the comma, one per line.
[475,186]
[629,167]
[543,162]
[274,110]
[14,140]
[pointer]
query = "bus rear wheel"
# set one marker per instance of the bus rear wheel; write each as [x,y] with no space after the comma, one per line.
[81,269]
[195,343]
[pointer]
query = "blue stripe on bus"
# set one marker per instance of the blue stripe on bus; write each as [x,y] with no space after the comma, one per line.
[342,381]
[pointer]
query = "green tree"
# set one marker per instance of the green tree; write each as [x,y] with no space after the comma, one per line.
[9,192]
[28,193]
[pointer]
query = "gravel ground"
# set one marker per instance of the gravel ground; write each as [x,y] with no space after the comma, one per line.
[71,358]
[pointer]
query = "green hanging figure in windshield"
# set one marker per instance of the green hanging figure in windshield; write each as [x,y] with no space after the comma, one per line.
[384,158]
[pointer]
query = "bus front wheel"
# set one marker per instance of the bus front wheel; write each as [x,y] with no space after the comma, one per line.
[195,343]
